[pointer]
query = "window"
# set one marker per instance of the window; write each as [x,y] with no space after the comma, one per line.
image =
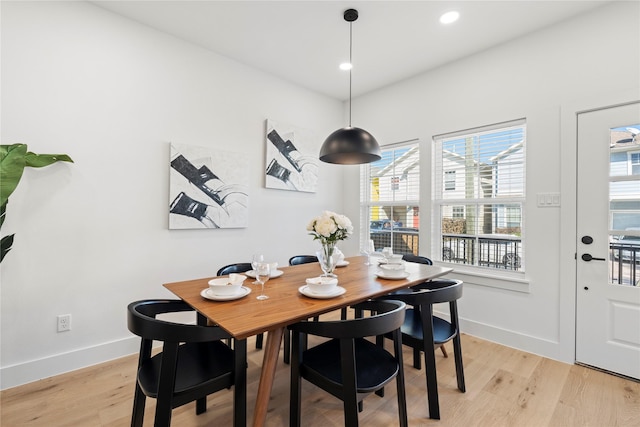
[634,160]
[479,194]
[389,196]
[449,180]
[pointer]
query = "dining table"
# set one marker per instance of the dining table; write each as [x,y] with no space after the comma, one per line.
[289,303]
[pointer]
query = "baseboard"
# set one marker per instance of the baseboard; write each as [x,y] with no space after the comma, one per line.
[23,373]
[529,343]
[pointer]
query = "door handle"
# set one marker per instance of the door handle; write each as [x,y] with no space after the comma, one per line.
[588,257]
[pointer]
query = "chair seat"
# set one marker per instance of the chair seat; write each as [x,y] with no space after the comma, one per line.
[198,363]
[376,366]
[443,331]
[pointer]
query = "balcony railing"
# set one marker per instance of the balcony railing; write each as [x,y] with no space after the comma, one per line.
[623,260]
[505,252]
[405,240]
[495,251]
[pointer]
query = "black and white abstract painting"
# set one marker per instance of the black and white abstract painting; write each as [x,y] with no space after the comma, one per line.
[208,188]
[291,158]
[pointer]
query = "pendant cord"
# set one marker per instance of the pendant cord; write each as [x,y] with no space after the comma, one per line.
[350,62]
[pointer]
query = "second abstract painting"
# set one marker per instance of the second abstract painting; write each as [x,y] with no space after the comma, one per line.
[291,158]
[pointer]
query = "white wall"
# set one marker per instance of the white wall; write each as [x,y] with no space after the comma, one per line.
[590,57]
[93,236]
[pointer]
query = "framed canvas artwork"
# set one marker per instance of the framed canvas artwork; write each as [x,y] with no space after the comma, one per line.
[208,188]
[291,158]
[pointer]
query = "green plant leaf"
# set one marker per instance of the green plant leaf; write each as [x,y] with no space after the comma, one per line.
[39,160]
[12,163]
[5,245]
[3,212]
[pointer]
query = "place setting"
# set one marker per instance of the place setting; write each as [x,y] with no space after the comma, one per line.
[391,266]
[322,287]
[226,288]
[273,267]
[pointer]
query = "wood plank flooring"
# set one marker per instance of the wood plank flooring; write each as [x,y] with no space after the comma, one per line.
[505,387]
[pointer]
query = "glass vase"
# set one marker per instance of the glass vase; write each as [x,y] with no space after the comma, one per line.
[326,259]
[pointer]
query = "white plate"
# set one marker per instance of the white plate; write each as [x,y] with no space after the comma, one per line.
[274,274]
[342,264]
[381,275]
[304,290]
[206,293]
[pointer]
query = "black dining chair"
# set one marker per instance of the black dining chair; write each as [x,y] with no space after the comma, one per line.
[423,331]
[427,261]
[302,259]
[417,259]
[297,260]
[347,365]
[241,267]
[193,363]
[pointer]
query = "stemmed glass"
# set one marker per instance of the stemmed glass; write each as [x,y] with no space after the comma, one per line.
[263,271]
[257,258]
[369,248]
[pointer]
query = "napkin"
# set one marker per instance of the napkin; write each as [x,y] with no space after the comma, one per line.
[320,280]
[235,278]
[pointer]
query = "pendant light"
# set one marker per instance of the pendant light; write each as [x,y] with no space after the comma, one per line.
[350,145]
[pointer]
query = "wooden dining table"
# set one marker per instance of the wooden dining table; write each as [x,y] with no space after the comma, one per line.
[247,316]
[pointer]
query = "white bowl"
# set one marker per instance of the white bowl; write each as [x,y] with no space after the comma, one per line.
[322,285]
[227,285]
[393,269]
[394,258]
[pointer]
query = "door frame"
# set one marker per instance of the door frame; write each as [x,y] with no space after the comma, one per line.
[569,112]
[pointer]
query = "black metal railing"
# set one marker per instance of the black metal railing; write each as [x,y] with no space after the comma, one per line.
[624,258]
[403,240]
[504,252]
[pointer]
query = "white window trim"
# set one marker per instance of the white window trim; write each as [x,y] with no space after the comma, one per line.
[480,275]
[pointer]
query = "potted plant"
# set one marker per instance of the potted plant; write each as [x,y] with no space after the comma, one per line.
[13,159]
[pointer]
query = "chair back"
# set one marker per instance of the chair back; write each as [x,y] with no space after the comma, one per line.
[302,259]
[389,317]
[241,267]
[430,292]
[142,321]
[417,259]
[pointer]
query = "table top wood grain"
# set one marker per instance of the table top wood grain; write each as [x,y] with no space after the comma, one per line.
[248,316]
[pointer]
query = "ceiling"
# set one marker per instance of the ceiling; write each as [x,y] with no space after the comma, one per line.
[305,41]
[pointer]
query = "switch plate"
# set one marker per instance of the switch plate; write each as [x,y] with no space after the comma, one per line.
[548,200]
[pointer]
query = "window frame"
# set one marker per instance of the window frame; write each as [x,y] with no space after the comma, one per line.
[366,200]
[440,200]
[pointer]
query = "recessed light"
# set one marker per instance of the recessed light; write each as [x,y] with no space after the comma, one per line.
[346,66]
[449,17]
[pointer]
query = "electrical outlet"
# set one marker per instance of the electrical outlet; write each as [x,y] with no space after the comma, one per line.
[64,322]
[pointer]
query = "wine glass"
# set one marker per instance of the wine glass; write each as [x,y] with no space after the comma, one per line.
[263,271]
[255,260]
[369,248]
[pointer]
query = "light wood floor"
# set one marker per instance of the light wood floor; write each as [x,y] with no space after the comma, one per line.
[505,387]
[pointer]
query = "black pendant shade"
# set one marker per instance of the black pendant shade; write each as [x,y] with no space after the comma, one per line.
[350,146]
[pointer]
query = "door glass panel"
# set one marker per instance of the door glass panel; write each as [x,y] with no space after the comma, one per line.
[624,205]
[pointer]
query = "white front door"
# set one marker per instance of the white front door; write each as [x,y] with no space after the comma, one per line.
[608,239]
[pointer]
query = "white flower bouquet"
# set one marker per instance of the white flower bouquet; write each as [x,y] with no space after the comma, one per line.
[330,227]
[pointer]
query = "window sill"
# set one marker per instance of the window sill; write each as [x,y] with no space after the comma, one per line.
[511,281]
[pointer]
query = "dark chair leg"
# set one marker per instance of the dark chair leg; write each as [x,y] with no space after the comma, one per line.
[416,358]
[201,405]
[430,365]
[240,384]
[295,383]
[259,339]
[139,401]
[287,346]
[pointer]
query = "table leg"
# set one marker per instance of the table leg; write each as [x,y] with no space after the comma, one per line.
[267,374]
